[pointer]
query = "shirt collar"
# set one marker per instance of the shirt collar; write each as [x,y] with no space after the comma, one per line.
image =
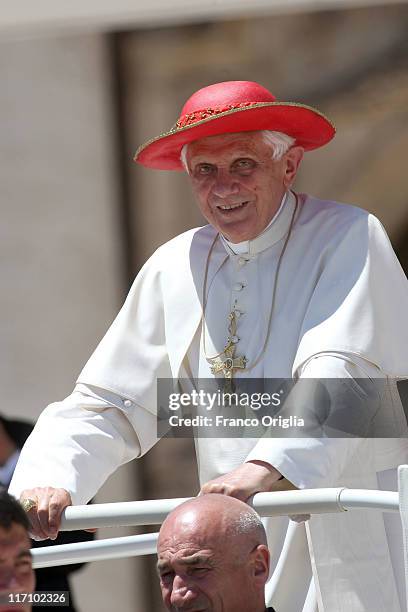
[274,231]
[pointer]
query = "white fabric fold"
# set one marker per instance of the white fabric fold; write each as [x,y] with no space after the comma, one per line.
[77,444]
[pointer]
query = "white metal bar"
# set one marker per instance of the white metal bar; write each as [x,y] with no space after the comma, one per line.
[153,512]
[83,552]
[150,512]
[403,504]
[387,501]
[310,501]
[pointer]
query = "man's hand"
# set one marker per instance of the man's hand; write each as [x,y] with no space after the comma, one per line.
[45,517]
[246,480]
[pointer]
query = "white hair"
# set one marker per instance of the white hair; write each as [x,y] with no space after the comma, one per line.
[279,142]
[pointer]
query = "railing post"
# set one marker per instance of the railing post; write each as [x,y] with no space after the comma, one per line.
[403,506]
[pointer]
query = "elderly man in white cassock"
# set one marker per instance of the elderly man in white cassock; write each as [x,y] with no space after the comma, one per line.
[278,285]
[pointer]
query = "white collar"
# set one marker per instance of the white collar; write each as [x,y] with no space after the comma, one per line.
[273,232]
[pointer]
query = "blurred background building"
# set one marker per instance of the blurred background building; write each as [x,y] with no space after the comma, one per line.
[82,85]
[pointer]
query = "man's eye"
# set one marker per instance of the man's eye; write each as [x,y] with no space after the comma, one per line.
[24,566]
[204,169]
[167,577]
[244,164]
[199,571]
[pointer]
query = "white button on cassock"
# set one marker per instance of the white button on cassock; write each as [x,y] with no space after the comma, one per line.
[127,403]
[238,286]
[242,261]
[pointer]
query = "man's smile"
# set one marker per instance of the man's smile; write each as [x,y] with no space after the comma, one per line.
[230,207]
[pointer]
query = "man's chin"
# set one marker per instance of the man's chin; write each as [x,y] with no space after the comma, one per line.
[236,232]
[237,238]
[235,224]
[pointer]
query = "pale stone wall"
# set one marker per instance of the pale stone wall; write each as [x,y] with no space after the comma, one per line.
[60,263]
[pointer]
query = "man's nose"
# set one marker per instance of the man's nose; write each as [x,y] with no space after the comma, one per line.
[182,593]
[225,184]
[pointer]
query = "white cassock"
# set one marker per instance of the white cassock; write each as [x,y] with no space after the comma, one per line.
[340,311]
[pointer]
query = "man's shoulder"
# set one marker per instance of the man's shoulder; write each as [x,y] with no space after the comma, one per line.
[317,208]
[174,260]
[330,219]
[196,240]
[189,236]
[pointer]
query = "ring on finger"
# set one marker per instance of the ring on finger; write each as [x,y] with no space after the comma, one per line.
[28,504]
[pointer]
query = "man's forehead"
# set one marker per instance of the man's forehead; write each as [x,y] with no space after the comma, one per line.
[236,143]
[186,542]
[14,540]
[185,556]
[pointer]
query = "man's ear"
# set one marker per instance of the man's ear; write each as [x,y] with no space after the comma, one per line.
[260,563]
[293,158]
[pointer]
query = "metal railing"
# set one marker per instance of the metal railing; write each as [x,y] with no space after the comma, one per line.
[153,512]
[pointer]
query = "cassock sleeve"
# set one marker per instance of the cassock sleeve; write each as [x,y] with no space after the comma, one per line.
[316,462]
[79,442]
[110,418]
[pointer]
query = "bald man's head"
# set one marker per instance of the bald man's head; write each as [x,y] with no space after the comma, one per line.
[217,515]
[208,546]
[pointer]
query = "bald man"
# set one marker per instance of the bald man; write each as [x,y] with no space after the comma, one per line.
[212,556]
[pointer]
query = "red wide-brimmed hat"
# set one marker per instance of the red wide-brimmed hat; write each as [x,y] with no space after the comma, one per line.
[229,107]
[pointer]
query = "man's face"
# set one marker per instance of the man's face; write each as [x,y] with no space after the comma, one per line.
[238,186]
[16,571]
[202,574]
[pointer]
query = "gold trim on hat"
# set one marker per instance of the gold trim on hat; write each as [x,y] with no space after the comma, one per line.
[177,130]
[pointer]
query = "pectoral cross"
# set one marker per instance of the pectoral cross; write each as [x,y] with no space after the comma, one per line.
[226,363]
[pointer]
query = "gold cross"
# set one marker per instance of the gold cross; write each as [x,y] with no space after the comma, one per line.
[226,363]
